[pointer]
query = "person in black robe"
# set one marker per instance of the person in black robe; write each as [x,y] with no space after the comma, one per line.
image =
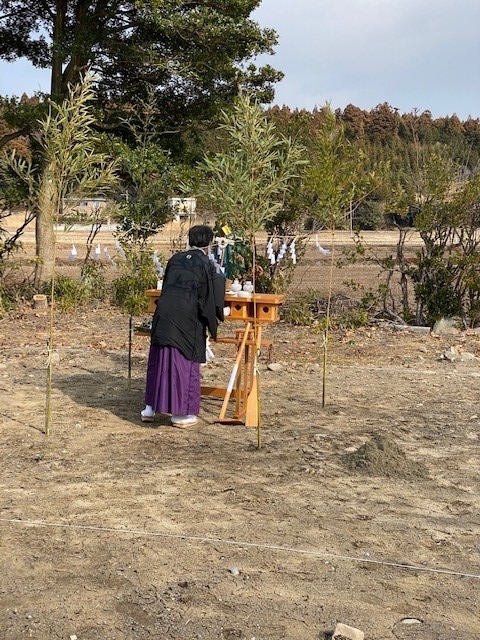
[191,304]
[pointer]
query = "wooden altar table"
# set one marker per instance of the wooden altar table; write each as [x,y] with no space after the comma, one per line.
[255,312]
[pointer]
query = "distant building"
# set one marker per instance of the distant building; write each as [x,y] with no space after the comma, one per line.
[183,207]
[84,206]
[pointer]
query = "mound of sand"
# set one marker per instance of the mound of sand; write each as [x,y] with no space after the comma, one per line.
[381,456]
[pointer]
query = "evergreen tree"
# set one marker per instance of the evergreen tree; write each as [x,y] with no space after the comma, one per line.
[71,168]
[194,54]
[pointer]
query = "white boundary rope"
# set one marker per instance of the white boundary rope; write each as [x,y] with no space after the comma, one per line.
[255,545]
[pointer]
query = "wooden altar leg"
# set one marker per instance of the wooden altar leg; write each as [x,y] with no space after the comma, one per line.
[233,375]
[251,414]
[244,379]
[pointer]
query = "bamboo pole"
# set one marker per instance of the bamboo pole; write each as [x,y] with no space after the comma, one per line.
[327,319]
[48,392]
[130,340]
[256,348]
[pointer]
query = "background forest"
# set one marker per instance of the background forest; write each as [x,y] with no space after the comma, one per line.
[154,100]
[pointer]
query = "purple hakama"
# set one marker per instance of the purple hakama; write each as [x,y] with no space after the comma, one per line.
[173,382]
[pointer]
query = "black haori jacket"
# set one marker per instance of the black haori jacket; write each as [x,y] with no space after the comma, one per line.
[191,302]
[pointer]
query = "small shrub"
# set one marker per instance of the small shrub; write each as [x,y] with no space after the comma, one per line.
[6,303]
[93,279]
[13,293]
[310,310]
[138,276]
[68,293]
[129,294]
[298,312]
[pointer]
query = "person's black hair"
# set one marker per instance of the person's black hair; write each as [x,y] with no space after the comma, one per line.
[200,236]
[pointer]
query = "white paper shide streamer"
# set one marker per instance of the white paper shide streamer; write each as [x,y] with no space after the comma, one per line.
[324,252]
[270,252]
[120,251]
[158,264]
[285,248]
[293,255]
[108,258]
[282,252]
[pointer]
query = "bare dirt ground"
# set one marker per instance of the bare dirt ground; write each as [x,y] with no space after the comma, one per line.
[364,511]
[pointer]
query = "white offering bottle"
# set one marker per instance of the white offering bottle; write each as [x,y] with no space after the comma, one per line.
[235,287]
[248,286]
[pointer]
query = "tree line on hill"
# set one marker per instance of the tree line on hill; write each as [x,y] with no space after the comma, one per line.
[384,139]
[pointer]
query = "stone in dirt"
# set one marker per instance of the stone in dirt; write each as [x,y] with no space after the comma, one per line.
[349,633]
[382,456]
[446,326]
[275,366]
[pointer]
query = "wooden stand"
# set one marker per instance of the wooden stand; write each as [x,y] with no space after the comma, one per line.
[255,311]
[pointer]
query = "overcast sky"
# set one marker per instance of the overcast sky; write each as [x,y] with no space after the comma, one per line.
[413,54]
